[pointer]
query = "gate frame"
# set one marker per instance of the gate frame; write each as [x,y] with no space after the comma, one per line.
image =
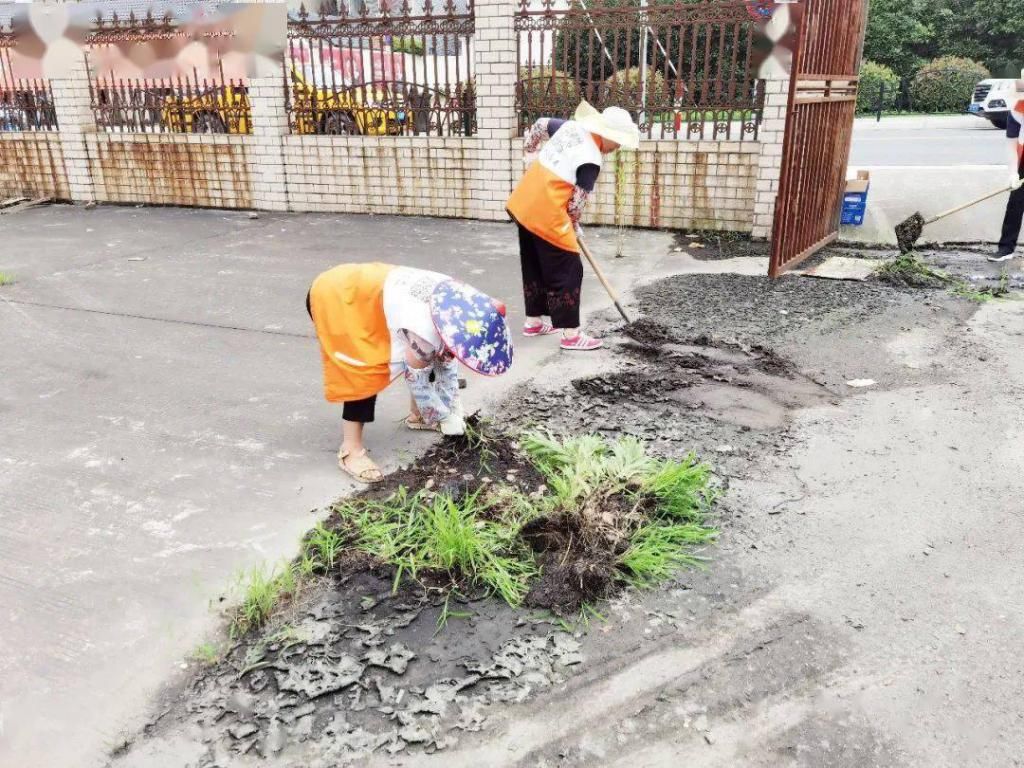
[810,88]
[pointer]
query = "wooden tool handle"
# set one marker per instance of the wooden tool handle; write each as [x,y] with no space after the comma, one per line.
[967,205]
[604,280]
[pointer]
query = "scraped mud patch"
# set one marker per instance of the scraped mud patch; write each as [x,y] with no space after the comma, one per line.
[719,396]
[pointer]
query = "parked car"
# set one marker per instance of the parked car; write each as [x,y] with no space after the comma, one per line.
[991,100]
[366,111]
[221,109]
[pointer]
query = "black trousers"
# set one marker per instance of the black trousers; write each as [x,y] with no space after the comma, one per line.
[1013,220]
[355,410]
[552,280]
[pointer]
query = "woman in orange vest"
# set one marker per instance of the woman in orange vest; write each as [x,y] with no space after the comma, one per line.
[547,205]
[376,322]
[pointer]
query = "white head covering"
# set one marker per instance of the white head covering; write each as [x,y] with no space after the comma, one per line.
[613,124]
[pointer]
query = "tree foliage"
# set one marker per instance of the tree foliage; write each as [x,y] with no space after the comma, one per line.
[946,84]
[904,34]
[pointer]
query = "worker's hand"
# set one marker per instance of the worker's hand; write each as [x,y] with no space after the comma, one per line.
[578,230]
[1015,181]
[453,425]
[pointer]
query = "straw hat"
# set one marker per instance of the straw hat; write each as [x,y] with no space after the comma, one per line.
[613,124]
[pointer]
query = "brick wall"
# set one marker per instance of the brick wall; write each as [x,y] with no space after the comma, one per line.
[201,170]
[32,165]
[411,175]
[677,185]
[670,184]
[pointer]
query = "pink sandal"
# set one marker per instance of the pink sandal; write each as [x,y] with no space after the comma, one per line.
[581,343]
[543,329]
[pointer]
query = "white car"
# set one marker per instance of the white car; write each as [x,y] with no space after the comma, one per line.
[991,99]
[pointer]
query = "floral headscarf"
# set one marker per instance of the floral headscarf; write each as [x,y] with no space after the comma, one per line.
[472,327]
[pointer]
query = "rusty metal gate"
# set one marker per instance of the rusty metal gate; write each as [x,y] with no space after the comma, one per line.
[819,124]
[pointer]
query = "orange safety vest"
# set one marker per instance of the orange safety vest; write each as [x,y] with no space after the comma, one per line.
[347,304]
[540,202]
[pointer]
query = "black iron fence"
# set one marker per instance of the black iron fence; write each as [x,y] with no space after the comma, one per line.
[386,73]
[25,104]
[163,105]
[682,69]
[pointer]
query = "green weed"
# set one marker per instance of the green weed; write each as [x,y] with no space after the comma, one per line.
[6,278]
[447,613]
[207,653]
[967,291]
[481,444]
[683,490]
[909,271]
[325,545]
[441,533]
[307,565]
[675,495]
[656,552]
[261,594]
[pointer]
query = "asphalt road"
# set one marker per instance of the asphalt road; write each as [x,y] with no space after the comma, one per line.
[927,142]
[929,165]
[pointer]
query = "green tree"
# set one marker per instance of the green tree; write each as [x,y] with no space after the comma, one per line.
[990,31]
[899,34]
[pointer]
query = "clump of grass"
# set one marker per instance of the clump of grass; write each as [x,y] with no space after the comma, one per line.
[618,493]
[262,593]
[207,653]
[6,278]
[909,271]
[577,468]
[323,547]
[443,534]
[658,550]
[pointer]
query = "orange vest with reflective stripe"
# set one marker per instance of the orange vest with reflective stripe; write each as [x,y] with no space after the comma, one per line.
[540,201]
[347,304]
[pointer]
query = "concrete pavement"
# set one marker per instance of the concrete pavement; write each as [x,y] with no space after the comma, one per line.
[162,428]
[929,164]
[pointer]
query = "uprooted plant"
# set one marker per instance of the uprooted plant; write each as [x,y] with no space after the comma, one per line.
[907,270]
[596,515]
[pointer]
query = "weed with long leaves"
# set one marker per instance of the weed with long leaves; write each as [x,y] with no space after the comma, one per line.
[262,593]
[443,534]
[325,545]
[656,552]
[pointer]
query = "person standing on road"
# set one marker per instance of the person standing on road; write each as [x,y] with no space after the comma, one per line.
[376,322]
[547,205]
[1014,217]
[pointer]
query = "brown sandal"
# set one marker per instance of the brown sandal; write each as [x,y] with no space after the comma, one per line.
[419,425]
[359,466]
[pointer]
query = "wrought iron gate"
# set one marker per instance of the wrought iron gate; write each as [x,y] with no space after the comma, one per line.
[819,124]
